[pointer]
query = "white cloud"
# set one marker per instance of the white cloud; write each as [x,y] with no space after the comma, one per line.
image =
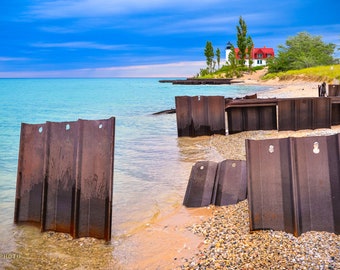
[8,59]
[178,69]
[80,45]
[93,8]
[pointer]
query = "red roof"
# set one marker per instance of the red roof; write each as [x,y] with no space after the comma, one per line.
[258,53]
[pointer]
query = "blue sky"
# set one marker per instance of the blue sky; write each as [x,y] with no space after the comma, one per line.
[134,38]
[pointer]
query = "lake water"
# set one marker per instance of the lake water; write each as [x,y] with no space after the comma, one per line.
[152,165]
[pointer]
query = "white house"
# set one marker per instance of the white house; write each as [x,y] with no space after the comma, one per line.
[258,55]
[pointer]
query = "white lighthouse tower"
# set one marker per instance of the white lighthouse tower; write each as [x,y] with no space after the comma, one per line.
[228,51]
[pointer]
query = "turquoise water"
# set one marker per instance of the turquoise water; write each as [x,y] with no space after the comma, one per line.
[152,165]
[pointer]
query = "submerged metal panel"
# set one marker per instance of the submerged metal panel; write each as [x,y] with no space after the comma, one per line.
[72,164]
[201,183]
[230,182]
[183,116]
[216,115]
[60,180]
[294,184]
[200,115]
[304,113]
[31,173]
[94,188]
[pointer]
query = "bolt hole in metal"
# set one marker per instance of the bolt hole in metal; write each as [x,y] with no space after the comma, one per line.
[316,149]
[233,165]
[67,127]
[40,129]
[271,149]
[202,167]
[100,126]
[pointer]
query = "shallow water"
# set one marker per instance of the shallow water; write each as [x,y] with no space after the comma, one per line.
[151,167]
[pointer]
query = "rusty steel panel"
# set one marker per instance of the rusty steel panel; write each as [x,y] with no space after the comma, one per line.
[294,184]
[201,183]
[286,114]
[230,182]
[73,164]
[235,120]
[200,115]
[94,188]
[322,112]
[60,180]
[333,90]
[251,117]
[31,173]
[317,183]
[304,113]
[335,114]
[270,185]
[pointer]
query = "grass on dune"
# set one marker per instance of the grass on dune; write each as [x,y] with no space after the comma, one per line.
[321,73]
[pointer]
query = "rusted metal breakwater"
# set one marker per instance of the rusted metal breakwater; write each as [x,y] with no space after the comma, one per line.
[204,115]
[200,115]
[65,177]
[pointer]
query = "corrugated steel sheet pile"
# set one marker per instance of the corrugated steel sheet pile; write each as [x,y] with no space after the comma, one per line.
[65,177]
[293,183]
[205,115]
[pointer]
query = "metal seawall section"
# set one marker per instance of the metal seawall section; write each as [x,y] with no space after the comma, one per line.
[200,115]
[304,113]
[65,177]
[294,184]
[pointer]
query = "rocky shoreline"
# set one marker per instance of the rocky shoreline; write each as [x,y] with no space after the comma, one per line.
[228,244]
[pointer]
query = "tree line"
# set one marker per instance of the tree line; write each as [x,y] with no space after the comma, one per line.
[301,51]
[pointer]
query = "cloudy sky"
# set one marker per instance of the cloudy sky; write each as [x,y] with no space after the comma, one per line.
[134,38]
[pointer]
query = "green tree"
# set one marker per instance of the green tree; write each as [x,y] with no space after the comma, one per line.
[209,54]
[232,57]
[242,40]
[218,57]
[250,46]
[302,51]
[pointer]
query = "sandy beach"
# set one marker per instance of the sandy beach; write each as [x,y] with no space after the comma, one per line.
[218,237]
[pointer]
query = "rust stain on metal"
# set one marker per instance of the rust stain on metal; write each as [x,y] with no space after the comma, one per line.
[72,164]
[222,183]
[293,184]
[31,173]
[200,115]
